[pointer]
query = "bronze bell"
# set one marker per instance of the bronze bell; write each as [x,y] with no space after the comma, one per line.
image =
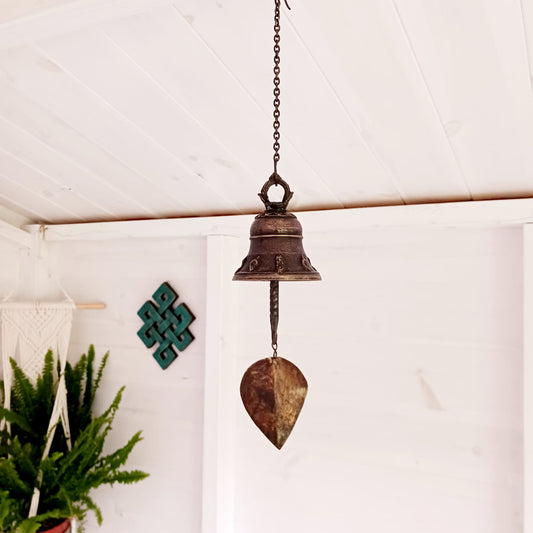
[276,249]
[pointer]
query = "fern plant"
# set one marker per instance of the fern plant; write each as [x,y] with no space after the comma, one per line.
[66,477]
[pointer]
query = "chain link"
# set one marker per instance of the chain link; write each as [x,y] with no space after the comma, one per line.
[277,92]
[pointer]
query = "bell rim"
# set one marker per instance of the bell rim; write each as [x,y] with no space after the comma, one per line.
[270,276]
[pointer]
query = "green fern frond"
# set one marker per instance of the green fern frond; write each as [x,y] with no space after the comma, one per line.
[91,506]
[128,477]
[10,478]
[99,375]
[45,382]
[88,393]
[15,418]
[74,380]
[119,457]
[22,391]
[68,476]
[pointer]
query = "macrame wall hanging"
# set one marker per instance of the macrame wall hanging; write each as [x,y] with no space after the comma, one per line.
[29,330]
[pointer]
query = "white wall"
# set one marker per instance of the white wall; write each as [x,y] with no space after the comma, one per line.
[10,255]
[412,347]
[413,422]
[166,405]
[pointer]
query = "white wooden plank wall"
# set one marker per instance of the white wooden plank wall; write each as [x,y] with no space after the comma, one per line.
[527,14]
[14,9]
[221,382]
[159,108]
[412,347]
[49,132]
[231,120]
[11,257]
[129,143]
[129,90]
[166,405]
[492,142]
[42,22]
[377,117]
[313,123]
[527,375]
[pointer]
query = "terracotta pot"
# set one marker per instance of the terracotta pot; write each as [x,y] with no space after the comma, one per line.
[64,527]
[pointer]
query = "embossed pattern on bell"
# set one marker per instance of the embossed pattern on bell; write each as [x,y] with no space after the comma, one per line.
[254,263]
[276,250]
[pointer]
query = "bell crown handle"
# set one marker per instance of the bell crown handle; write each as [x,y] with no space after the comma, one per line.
[276,207]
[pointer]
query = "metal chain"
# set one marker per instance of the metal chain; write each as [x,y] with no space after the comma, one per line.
[277,91]
[274,285]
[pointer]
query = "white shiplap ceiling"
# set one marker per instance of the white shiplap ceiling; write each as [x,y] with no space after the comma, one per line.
[128,109]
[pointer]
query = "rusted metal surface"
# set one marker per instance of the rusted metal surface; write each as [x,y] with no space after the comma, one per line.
[276,249]
[273,391]
[274,315]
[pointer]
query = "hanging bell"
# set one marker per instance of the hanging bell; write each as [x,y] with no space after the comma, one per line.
[273,390]
[276,249]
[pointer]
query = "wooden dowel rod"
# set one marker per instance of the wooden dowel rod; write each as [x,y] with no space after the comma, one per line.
[91,306]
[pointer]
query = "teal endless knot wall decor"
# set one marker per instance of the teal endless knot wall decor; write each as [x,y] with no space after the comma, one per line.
[165,325]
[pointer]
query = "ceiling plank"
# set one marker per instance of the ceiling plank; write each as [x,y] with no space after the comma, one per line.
[313,122]
[474,59]
[14,235]
[363,52]
[15,9]
[120,182]
[27,192]
[106,201]
[48,18]
[432,100]
[115,78]
[46,83]
[526,8]
[213,95]
[14,216]
[153,108]
[47,187]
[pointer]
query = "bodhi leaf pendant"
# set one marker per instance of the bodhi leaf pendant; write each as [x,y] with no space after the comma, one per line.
[273,391]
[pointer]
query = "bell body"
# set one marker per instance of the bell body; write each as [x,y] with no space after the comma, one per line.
[276,251]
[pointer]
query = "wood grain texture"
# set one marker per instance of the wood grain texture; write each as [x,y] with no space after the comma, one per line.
[163,108]
[149,108]
[396,304]
[167,406]
[66,17]
[412,344]
[315,127]
[527,236]
[14,9]
[226,105]
[481,88]
[220,385]
[363,51]
[60,93]
[123,183]
[527,20]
